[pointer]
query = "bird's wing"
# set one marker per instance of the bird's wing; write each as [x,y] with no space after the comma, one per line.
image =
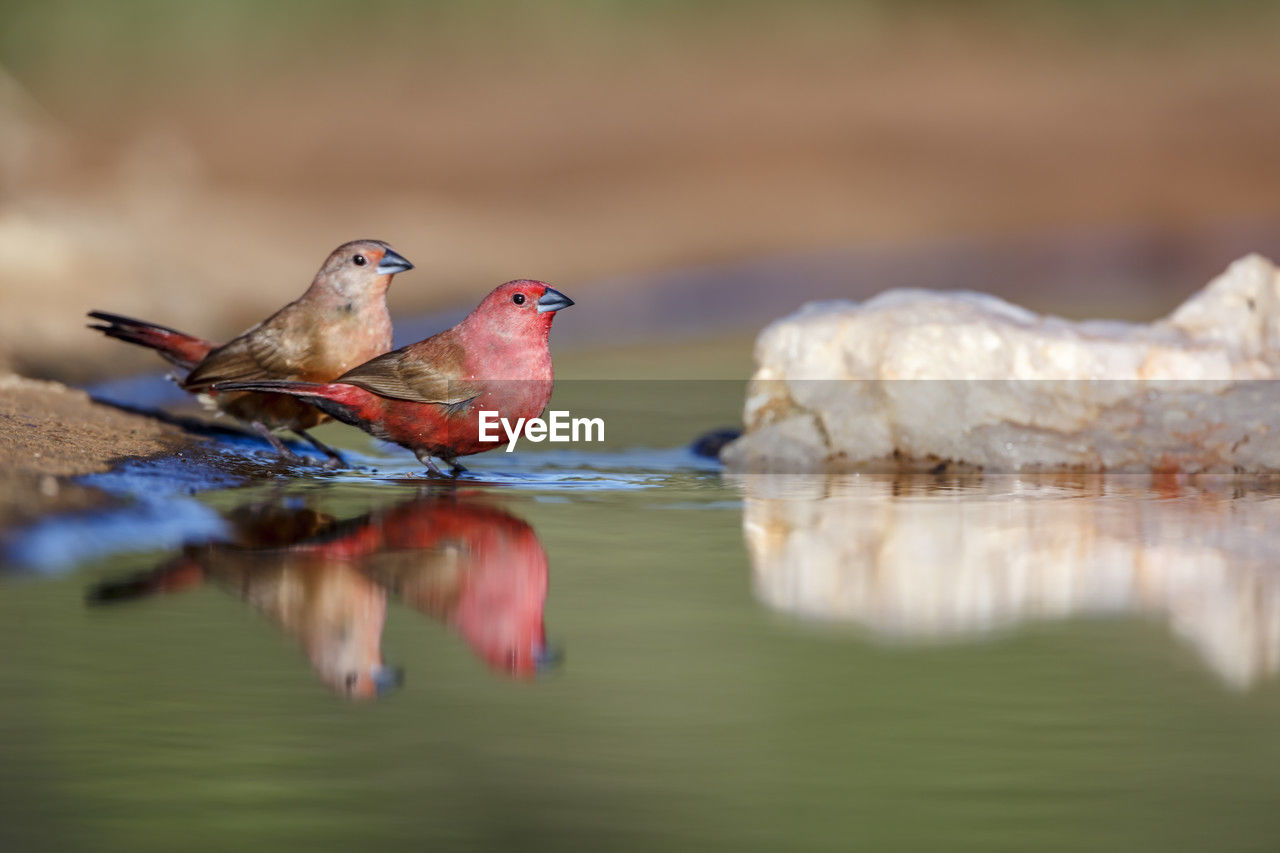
[420,374]
[267,351]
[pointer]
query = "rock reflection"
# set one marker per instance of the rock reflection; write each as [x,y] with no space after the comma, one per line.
[918,559]
[473,566]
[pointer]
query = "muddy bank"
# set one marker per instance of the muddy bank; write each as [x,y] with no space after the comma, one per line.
[50,433]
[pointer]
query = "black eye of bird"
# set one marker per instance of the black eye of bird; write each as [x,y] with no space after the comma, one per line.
[359,260]
[518,299]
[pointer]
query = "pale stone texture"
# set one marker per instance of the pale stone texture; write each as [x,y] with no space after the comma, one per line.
[996,386]
[910,560]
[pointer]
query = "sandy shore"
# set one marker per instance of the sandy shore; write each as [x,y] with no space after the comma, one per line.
[50,433]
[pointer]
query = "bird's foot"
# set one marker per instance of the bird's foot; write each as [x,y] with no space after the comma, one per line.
[282,450]
[432,469]
[334,459]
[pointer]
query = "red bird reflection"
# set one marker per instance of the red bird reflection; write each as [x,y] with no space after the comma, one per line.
[475,567]
[469,564]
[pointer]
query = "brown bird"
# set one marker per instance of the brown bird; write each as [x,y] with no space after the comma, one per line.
[333,610]
[321,599]
[428,396]
[341,321]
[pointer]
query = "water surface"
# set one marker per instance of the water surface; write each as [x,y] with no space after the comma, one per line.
[624,648]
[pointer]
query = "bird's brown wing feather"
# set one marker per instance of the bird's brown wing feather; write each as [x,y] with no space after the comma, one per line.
[246,359]
[421,374]
[270,350]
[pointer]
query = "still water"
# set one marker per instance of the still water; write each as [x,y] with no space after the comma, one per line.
[625,648]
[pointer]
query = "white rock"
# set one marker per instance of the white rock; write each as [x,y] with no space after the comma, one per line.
[908,564]
[969,378]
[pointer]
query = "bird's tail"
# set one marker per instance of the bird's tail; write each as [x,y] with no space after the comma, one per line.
[178,347]
[178,574]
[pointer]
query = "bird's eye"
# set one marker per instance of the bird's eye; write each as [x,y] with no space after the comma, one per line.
[518,299]
[359,260]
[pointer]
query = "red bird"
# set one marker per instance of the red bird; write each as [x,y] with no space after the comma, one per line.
[339,322]
[428,396]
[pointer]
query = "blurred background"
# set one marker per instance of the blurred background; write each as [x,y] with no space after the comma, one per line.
[687,168]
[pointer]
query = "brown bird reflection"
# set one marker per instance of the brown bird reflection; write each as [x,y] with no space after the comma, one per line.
[473,566]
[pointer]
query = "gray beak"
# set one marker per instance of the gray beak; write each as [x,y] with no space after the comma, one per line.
[553,300]
[387,678]
[547,658]
[393,262]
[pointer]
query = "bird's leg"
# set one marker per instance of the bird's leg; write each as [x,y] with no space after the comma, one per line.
[285,453]
[425,459]
[335,459]
[454,468]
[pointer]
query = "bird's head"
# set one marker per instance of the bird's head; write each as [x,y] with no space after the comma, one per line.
[369,683]
[522,307]
[361,267]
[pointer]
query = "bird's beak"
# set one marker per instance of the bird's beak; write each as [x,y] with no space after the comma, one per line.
[393,262]
[387,678]
[546,658]
[553,300]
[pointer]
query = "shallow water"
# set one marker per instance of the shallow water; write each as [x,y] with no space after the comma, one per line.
[623,647]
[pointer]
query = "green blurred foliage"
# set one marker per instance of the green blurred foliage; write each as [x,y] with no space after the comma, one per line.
[40,34]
